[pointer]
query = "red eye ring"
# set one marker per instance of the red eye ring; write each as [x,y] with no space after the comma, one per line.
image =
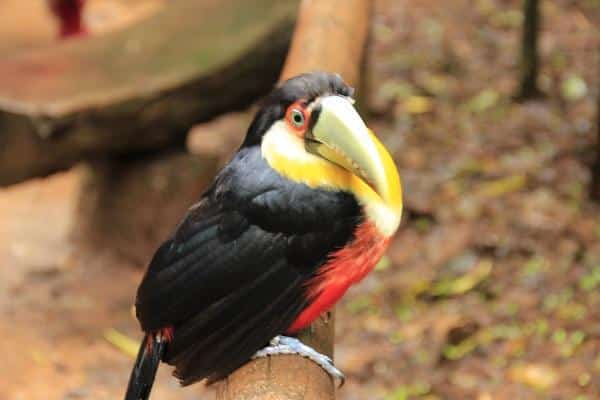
[297,116]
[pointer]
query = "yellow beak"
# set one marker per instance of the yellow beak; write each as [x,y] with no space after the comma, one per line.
[339,135]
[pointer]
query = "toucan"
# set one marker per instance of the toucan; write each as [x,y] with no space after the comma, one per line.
[305,208]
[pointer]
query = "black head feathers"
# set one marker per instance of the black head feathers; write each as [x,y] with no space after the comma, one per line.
[306,86]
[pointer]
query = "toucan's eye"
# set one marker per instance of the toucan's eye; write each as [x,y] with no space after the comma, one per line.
[297,118]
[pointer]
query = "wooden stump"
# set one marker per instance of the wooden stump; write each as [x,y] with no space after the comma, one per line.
[129,205]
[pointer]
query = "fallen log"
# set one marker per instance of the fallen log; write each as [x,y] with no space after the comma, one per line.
[140,89]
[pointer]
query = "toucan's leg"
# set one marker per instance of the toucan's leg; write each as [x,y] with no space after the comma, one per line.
[290,345]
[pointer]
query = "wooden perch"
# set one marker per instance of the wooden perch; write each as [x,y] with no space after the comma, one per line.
[140,89]
[329,36]
[285,377]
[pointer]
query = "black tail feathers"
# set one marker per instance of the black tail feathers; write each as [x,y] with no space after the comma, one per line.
[145,367]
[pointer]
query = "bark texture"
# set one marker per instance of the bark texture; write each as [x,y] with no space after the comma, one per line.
[285,377]
[130,204]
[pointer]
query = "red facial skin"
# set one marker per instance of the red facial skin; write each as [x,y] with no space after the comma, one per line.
[69,13]
[300,105]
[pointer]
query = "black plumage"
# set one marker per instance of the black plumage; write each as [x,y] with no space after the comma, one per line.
[234,274]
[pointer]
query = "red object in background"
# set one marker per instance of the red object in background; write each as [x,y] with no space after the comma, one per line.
[69,13]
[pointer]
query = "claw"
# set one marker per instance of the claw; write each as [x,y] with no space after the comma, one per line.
[290,345]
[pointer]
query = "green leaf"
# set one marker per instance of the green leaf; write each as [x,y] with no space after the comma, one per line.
[383,264]
[464,283]
[483,101]
[502,186]
[574,88]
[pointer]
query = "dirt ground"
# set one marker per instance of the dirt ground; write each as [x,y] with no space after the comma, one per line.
[491,289]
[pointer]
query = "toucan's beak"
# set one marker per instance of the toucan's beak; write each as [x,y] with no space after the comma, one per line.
[338,134]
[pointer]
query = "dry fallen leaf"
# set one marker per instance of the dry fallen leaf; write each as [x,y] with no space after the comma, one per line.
[122,342]
[537,376]
[502,186]
[418,105]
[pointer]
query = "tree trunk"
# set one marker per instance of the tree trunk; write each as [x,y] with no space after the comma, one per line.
[529,62]
[329,36]
[131,204]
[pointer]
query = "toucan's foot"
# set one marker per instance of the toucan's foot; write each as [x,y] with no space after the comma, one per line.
[290,345]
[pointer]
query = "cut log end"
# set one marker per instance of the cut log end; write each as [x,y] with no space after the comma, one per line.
[286,377]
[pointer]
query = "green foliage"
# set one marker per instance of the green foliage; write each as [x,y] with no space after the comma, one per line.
[406,392]
[483,101]
[591,280]
[574,87]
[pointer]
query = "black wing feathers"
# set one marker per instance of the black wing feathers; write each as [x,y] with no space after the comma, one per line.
[234,273]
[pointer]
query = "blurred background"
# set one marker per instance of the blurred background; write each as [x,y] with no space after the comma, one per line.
[113,117]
